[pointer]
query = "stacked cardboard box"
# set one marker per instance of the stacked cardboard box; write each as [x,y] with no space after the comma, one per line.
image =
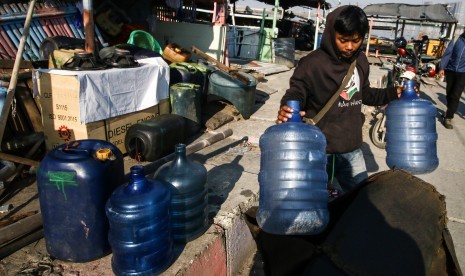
[59,100]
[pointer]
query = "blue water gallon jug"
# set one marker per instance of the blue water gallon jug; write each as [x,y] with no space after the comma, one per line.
[293,195]
[140,230]
[74,182]
[411,133]
[187,181]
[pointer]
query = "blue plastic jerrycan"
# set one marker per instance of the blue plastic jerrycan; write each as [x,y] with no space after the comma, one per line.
[74,182]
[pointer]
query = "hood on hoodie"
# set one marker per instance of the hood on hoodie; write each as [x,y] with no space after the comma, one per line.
[328,42]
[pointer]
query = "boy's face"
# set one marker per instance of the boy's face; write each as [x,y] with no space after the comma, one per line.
[348,44]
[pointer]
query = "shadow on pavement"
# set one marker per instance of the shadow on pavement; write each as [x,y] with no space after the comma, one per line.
[372,165]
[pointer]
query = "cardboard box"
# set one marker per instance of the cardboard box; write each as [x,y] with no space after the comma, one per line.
[59,100]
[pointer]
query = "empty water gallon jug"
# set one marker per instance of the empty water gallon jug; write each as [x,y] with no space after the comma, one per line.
[187,181]
[74,183]
[140,229]
[155,138]
[411,133]
[293,196]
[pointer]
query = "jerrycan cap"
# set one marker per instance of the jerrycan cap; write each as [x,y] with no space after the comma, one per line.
[103,154]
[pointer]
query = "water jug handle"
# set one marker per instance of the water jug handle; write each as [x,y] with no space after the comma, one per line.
[76,151]
[189,67]
[185,85]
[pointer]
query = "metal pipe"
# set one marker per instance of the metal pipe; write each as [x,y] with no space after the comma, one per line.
[71,25]
[34,35]
[317,27]
[3,52]
[369,36]
[275,15]
[46,29]
[21,17]
[39,28]
[78,30]
[32,46]
[4,40]
[89,29]
[153,166]
[51,27]
[14,35]
[61,30]
[63,23]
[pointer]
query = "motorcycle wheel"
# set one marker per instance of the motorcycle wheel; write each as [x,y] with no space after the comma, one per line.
[376,135]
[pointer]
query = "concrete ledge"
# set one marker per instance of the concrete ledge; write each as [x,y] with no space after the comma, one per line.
[204,256]
[232,180]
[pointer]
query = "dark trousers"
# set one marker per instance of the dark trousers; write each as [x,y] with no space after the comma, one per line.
[454,88]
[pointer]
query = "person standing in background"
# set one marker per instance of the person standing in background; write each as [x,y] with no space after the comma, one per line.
[453,67]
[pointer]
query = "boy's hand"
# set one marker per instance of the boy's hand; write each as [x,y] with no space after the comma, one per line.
[284,113]
[401,88]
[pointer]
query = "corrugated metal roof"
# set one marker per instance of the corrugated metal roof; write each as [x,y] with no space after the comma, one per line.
[431,13]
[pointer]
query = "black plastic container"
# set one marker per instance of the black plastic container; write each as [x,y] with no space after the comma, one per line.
[186,101]
[206,70]
[155,138]
[186,72]
[49,44]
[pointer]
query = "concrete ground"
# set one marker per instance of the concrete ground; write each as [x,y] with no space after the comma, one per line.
[227,247]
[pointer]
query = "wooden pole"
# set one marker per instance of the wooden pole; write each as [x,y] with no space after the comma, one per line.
[89,31]
[17,159]
[403,28]
[369,36]
[276,7]
[153,166]
[221,66]
[20,228]
[262,37]
[30,153]
[317,27]
[14,76]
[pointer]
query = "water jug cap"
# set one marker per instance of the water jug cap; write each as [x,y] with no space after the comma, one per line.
[103,154]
